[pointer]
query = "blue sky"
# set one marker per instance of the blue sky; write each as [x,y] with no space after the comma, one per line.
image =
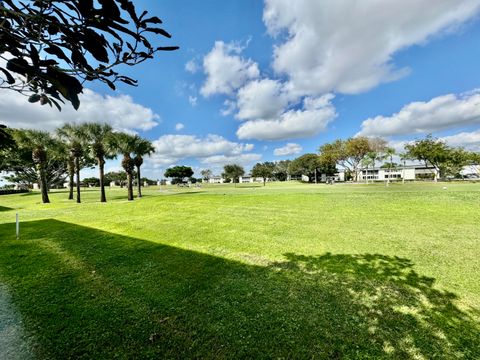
[295,74]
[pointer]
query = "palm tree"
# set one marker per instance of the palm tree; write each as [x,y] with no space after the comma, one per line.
[389,153]
[41,144]
[72,134]
[101,145]
[125,145]
[367,161]
[141,148]
[404,157]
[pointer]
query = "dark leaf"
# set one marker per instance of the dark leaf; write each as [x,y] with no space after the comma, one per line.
[153,20]
[34,55]
[95,44]
[18,65]
[159,31]
[167,48]
[10,78]
[55,50]
[34,98]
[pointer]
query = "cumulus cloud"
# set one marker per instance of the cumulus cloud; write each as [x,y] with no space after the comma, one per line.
[343,47]
[310,120]
[169,149]
[443,112]
[179,126]
[226,70]
[467,140]
[120,111]
[288,149]
[261,99]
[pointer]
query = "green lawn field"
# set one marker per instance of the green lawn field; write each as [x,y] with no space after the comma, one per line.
[287,271]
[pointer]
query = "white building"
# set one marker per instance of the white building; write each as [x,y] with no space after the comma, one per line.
[250,179]
[410,172]
[216,180]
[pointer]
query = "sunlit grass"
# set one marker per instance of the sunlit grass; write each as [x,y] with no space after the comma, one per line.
[287,270]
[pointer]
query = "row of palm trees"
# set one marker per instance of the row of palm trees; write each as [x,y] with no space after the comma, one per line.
[82,145]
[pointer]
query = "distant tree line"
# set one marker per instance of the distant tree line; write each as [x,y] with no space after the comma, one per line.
[355,154]
[48,159]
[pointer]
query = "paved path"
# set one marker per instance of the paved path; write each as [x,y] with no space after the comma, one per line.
[13,345]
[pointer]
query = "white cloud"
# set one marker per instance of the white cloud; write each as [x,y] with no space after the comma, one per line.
[169,149]
[241,159]
[226,71]
[261,99]
[192,100]
[192,66]
[439,113]
[179,126]
[467,140]
[119,111]
[348,47]
[312,119]
[288,149]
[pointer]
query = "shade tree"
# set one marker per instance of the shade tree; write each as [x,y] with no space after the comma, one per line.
[264,170]
[233,172]
[179,173]
[52,48]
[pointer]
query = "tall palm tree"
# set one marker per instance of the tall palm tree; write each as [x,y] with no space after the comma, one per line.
[142,147]
[389,153]
[101,146]
[41,144]
[72,134]
[367,161]
[404,157]
[125,145]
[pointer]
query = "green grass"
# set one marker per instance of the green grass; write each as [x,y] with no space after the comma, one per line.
[286,271]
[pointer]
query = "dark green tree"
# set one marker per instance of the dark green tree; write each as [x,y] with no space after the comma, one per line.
[233,172]
[72,135]
[101,145]
[179,173]
[264,170]
[312,165]
[436,153]
[51,48]
[141,148]
[42,147]
[125,144]
[281,170]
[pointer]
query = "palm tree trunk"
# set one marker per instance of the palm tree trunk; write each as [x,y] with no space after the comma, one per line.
[71,174]
[77,173]
[42,179]
[101,164]
[130,186]
[139,186]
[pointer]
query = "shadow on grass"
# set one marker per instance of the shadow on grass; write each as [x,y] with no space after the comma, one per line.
[85,293]
[4,208]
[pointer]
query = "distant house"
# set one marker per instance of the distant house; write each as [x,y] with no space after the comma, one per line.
[216,180]
[250,179]
[410,172]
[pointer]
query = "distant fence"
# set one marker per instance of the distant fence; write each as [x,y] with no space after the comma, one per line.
[12,191]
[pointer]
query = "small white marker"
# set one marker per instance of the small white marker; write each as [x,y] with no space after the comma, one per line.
[17,226]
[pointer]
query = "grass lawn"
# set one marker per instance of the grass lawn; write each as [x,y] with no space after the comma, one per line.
[286,271]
